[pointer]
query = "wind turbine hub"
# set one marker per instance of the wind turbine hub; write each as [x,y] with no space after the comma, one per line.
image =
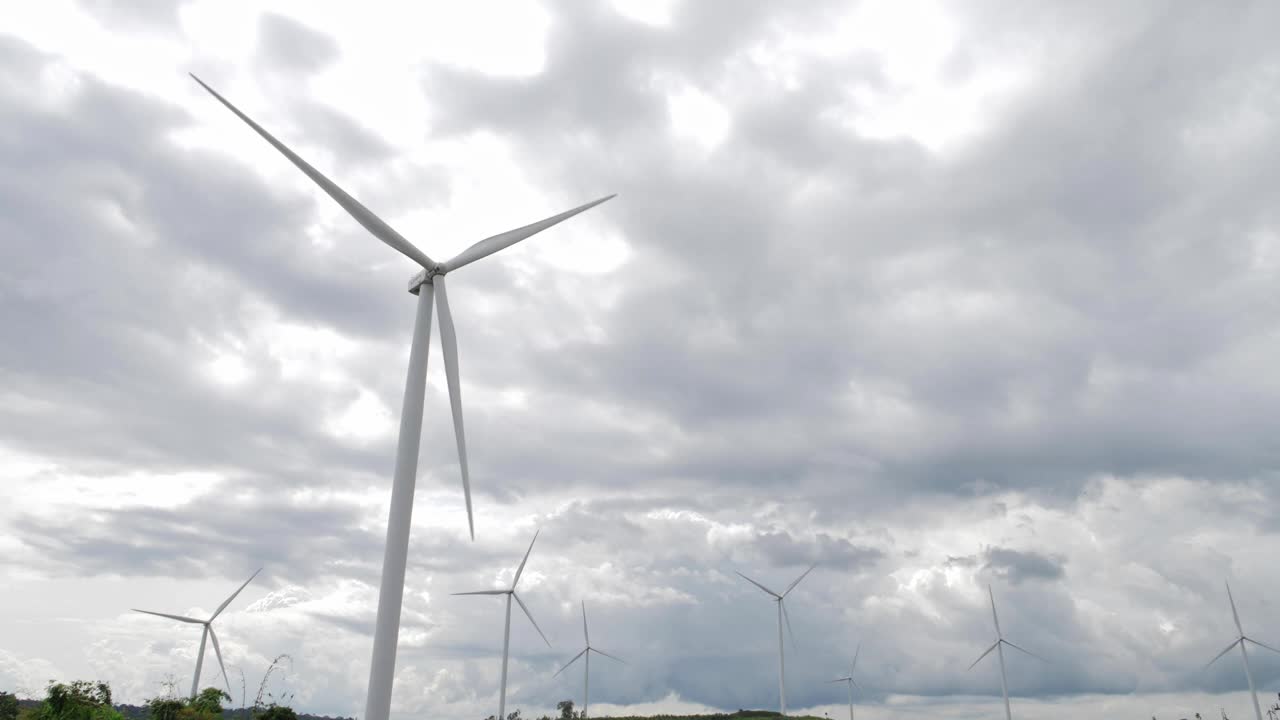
[423,277]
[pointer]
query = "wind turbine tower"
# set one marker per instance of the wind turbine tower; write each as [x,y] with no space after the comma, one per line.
[586,656]
[208,634]
[1241,640]
[506,631]
[428,284]
[782,613]
[849,679]
[999,648]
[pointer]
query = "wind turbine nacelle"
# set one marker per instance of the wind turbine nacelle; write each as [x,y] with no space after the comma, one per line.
[417,281]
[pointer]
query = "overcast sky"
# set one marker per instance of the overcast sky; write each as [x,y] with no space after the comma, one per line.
[936,295]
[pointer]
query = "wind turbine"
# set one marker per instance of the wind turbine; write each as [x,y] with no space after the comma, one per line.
[1241,640]
[586,655]
[999,648]
[506,631]
[426,284]
[782,613]
[206,635]
[849,680]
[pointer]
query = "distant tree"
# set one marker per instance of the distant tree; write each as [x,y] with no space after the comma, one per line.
[277,712]
[209,701]
[78,700]
[165,708]
[566,709]
[513,715]
[8,706]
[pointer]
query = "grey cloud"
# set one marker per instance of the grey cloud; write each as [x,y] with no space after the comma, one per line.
[1099,198]
[147,15]
[301,540]
[831,553]
[286,44]
[1017,566]
[865,332]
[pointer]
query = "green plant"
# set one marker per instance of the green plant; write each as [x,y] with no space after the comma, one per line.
[209,702]
[165,708]
[77,700]
[8,706]
[277,712]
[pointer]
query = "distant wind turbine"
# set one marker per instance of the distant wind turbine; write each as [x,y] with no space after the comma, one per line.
[586,656]
[506,631]
[999,648]
[849,680]
[782,613]
[427,283]
[1240,640]
[206,635]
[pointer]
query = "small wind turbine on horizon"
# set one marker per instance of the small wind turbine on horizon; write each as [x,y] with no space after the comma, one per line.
[426,284]
[999,648]
[849,680]
[586,655]
[1240,640]
[208,634]
[782,613]
[506,631]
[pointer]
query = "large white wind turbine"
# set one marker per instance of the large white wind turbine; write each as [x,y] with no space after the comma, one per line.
[849,680]
[586,656]
[506,631]
[426,284]
[999,648]
[782,613]
[206,635]
[1240,640]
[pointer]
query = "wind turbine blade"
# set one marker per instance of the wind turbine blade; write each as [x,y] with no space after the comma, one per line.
[362,215]
[449,347]
[1235,615]
[611,657]
[988,652]
[520,569]
[1262,645]
[837,680]
[574,660]
[1224,652]
[753,582]
[854,666]
[217,650]
[994,618]
[1028,652]
[585,635]
[181,618]
[227,602]
[491,245]
[787,616]
[530,616]
[484,592]
[797,580]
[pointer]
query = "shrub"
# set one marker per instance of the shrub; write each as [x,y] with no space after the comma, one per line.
[8,706]
[78,700]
